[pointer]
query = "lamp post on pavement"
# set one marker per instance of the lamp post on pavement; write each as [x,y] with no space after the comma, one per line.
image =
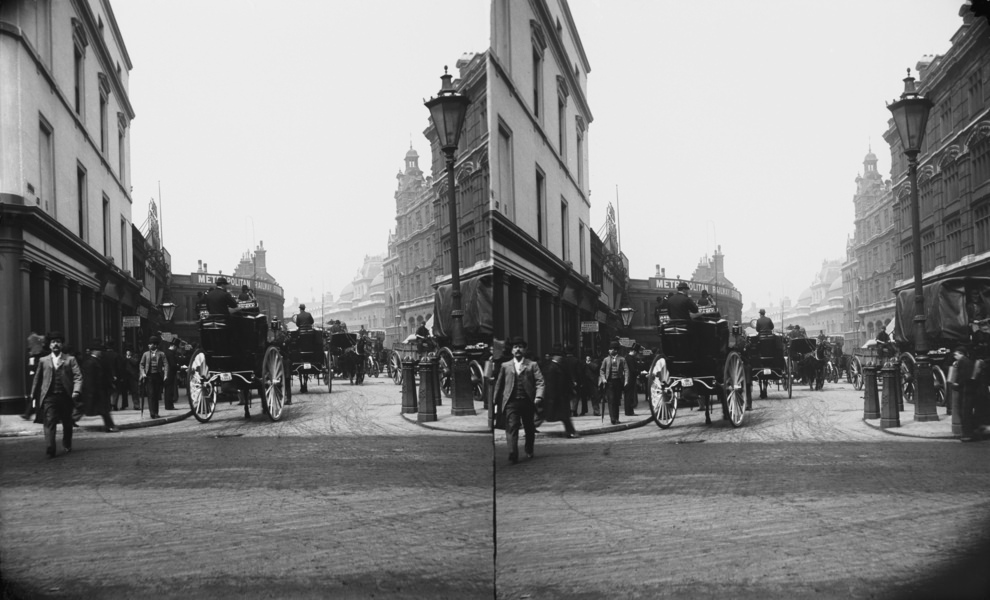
[448,111]
[910,117]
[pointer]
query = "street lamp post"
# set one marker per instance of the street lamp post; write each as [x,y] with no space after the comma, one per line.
[448,111]
[910,117]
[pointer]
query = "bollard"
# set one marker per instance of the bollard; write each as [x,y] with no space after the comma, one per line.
[890,417]
[427,390]
[924,391]
[409,387]
[956,402]
[871,400]
[438,390]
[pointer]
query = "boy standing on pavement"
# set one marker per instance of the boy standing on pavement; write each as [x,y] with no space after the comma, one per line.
[58,388]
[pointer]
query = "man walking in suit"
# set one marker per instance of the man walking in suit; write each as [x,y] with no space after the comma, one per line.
[613,378]
[154,371]
[518,390]
[58,389]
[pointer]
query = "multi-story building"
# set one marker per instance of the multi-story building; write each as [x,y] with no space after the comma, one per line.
[870,267]
[362,302]
[953,166]
[819,307]
[535,133]
[411,266]
[65,204]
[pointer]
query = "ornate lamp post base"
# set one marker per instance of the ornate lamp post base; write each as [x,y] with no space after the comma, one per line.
[461,389]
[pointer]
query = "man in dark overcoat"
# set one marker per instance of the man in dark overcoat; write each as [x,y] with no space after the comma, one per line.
[57,387]
[558,390]
[97,383]
[518,389]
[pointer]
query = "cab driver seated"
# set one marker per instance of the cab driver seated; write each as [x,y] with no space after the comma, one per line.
[680,306]
[219,302]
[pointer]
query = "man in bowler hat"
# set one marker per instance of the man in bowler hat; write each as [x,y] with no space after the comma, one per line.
[57,387]
[613,379]
[518,390]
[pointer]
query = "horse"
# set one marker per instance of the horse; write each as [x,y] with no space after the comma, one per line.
[811,367]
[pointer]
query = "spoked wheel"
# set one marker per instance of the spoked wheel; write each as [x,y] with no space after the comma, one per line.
[202,395]
[940,385]
[477,381]
[735,388]
[396,365]
[789,377]
[275,384]
[856,374]
[446,366]
[663,400]
[907,377]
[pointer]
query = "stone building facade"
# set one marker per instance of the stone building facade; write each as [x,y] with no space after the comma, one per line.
[65,205]
[954,163]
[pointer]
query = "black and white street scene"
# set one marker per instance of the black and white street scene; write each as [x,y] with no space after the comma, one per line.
[565,299]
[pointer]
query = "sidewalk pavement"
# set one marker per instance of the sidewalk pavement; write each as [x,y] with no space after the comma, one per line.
[15,426]
[478,423]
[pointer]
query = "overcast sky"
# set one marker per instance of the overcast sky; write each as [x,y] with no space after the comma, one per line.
[738,123]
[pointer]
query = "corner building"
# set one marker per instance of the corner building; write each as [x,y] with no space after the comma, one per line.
[65,205]
[538,121]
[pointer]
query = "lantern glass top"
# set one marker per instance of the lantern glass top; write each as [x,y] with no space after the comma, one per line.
[911,116]
[168,309]
[627,314]
[448,111]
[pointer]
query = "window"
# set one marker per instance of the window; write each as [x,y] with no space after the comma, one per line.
[950,181]
[537,84]
[928,250]
[579,138]
[564,231]
[505,177]
[44,41]
[981,162]
[907,264]
[46,166]
[81,198]
[981,227]
[123,245]
[975,92]
[953,241]
[106,226]
[581,254]
[503,46]
[945,119]
[104,141]
[562,127]
[121,154]
[540,201]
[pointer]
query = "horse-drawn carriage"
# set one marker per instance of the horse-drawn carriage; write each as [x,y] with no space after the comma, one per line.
[768,361]
[952,306]
[238,353]
[342,353]
[308,358]
[695,356]
[806,360]
[477,323]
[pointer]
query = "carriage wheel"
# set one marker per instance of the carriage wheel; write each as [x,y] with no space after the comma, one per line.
[275,384]
[856,374]
[789,377]
[446,366]
[396,365]
[202,395]
[663,400]
[735,388]
[477,381]
[940,386]
[907,377]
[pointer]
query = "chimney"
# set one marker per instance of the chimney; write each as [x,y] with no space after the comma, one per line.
[663,272]
[199,269]
[260,262]
[206,269]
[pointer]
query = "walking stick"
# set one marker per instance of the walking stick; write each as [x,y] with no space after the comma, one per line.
[141,393]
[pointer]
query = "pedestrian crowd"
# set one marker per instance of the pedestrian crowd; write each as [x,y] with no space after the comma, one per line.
[67,385]
[561,386]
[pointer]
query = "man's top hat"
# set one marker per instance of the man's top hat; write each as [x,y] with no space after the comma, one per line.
[222,281]
[55,335]
[683,286]
[154,340]
[517,341]
[614,346]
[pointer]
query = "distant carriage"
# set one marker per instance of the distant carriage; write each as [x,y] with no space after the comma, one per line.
[309,359]
[806,360]
[769,362]
[237,354]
